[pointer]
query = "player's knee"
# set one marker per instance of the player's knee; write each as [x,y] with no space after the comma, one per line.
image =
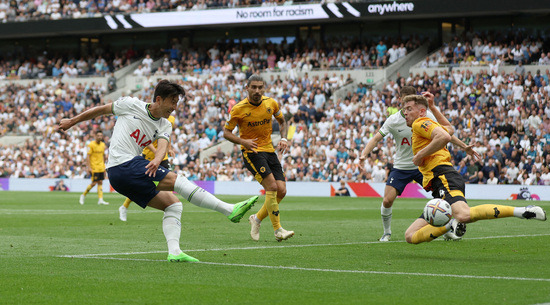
[462,216]
[271,187]
[387,202]
[409,237]
[281,192]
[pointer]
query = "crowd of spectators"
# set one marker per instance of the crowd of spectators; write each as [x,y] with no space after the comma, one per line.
[25,10]
[298,56]
[490,49]
[43,65]
[506,116]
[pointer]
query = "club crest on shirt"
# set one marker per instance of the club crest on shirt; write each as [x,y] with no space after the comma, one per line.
[269,110]
[426,125]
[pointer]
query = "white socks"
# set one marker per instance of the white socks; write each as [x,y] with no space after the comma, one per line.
[386,219]
[518,212]
[171,226]
[199,197]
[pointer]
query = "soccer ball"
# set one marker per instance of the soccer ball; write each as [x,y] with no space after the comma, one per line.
[437,212]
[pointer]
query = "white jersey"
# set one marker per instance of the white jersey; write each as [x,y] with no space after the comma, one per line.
[135,128]
[397,126]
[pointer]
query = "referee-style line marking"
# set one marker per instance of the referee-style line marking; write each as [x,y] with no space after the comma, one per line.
[339,270]
[107,256]
[97,255]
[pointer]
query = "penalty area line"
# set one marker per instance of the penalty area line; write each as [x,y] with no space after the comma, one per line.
[291,246]
[464,276]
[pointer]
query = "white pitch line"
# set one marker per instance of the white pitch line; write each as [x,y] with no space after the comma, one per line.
[340,270]
[290,246]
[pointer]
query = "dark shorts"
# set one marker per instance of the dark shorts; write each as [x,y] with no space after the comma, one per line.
[165,163]
[262,164]
[399,178]
[130,180]
[448,184]
[98,176]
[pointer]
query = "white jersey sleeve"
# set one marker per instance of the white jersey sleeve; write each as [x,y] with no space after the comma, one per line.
[135,128]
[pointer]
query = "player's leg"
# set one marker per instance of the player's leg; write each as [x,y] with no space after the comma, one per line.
[494,211]
[420,231]
[101,177]
[123,209]
[271,188]
[281,193]
[88,188]
[201,198]
[396,183]
[171,225]
[255,220]
[390,193]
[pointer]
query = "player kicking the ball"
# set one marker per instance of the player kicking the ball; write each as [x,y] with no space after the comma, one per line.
[404,170]
[429,140]
[145,182]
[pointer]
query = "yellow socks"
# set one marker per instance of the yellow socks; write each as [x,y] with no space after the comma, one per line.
[87,190]
[272,207]
[100,190]
[127,202]
[262,213]
[490,211]
[427,234]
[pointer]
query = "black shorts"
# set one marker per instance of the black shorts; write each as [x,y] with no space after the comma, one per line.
[165,164]
[130,180]
[448,184]
[262,164]
[98,176]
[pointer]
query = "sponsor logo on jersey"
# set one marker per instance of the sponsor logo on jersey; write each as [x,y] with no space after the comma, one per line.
[259,123]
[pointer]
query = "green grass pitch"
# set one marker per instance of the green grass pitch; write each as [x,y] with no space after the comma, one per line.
[56,251]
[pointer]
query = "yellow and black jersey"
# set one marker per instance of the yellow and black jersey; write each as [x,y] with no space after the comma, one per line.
[96,153]
[422,129]
[148,154]
[255,121]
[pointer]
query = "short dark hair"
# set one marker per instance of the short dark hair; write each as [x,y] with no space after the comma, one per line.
[166,89]
[255,78]
[407,90]
[417,99]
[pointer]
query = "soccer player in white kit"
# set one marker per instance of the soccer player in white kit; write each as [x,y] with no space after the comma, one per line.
[404,170]
[145,182]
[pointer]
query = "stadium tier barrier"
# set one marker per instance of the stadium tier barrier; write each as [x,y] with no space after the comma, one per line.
[311,189]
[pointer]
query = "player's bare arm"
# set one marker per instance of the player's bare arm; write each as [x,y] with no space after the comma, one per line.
[440,138]
[162,146]
[367,150]
[441,119]
[249,144]
[89,114]
[283,144]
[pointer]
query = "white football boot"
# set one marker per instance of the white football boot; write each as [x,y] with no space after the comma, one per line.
[534,212]
[254,227]
[385,237]
[122,213]
[101,201]
[282,234]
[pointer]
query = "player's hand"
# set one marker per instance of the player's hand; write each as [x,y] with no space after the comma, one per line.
[362,163]
[171,153]
[250,144]
[65,124]
[469,150]
[417,160]
[430,98]
[152,168]
[283,145]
